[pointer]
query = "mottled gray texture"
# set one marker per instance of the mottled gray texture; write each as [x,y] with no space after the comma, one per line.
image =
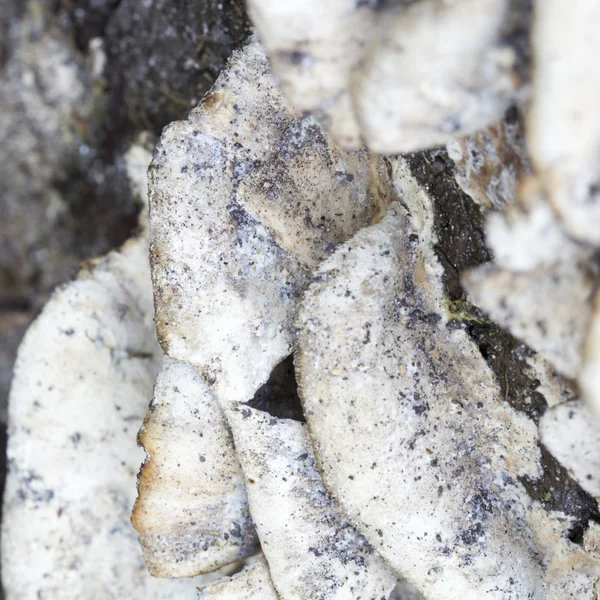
[313,551]
[247,196]
[410,428]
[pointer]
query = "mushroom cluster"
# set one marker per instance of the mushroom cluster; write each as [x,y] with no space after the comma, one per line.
[376,376]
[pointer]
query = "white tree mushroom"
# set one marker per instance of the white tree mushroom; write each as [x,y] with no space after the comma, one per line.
[83,379]
[563,125]
[368,377]
[252,583]
[549,309]
[392,74]
[528,235]
[192,511]
[417,88]
[311,549]
[246,197]
[571,432]
[410,429]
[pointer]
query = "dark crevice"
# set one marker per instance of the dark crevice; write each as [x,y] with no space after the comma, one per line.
[507,357]
[279,396]
[556,490]
[102,211]
[459,222]
[15,303]
[459,225]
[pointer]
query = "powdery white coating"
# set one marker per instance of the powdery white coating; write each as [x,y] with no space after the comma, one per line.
[528,235]
[247,196]
[549,309]
[398,78]
[571,431]
[433,72]
[312,550]
[589,378]
[253,583]
[489,164]
[368,388]
[563,126]
[192,510]
[83,378]
[314,47]
[410,431]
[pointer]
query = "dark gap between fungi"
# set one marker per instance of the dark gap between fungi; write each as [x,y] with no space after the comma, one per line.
[279,395]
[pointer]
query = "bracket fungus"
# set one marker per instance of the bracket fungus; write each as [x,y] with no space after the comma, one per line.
[249,176]
[312,550]
[410,430]
[192,511]
[246,197]
[441,458]
[393,74]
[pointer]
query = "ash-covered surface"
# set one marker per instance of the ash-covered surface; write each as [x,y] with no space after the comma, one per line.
[80,78]
[461,246]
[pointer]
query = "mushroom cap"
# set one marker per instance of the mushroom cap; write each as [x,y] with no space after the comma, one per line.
[313,551]
[82,382]
[410,429]
[246,197]
[192,510]
[397,77]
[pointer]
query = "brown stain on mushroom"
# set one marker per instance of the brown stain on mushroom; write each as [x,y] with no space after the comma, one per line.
[221,107]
